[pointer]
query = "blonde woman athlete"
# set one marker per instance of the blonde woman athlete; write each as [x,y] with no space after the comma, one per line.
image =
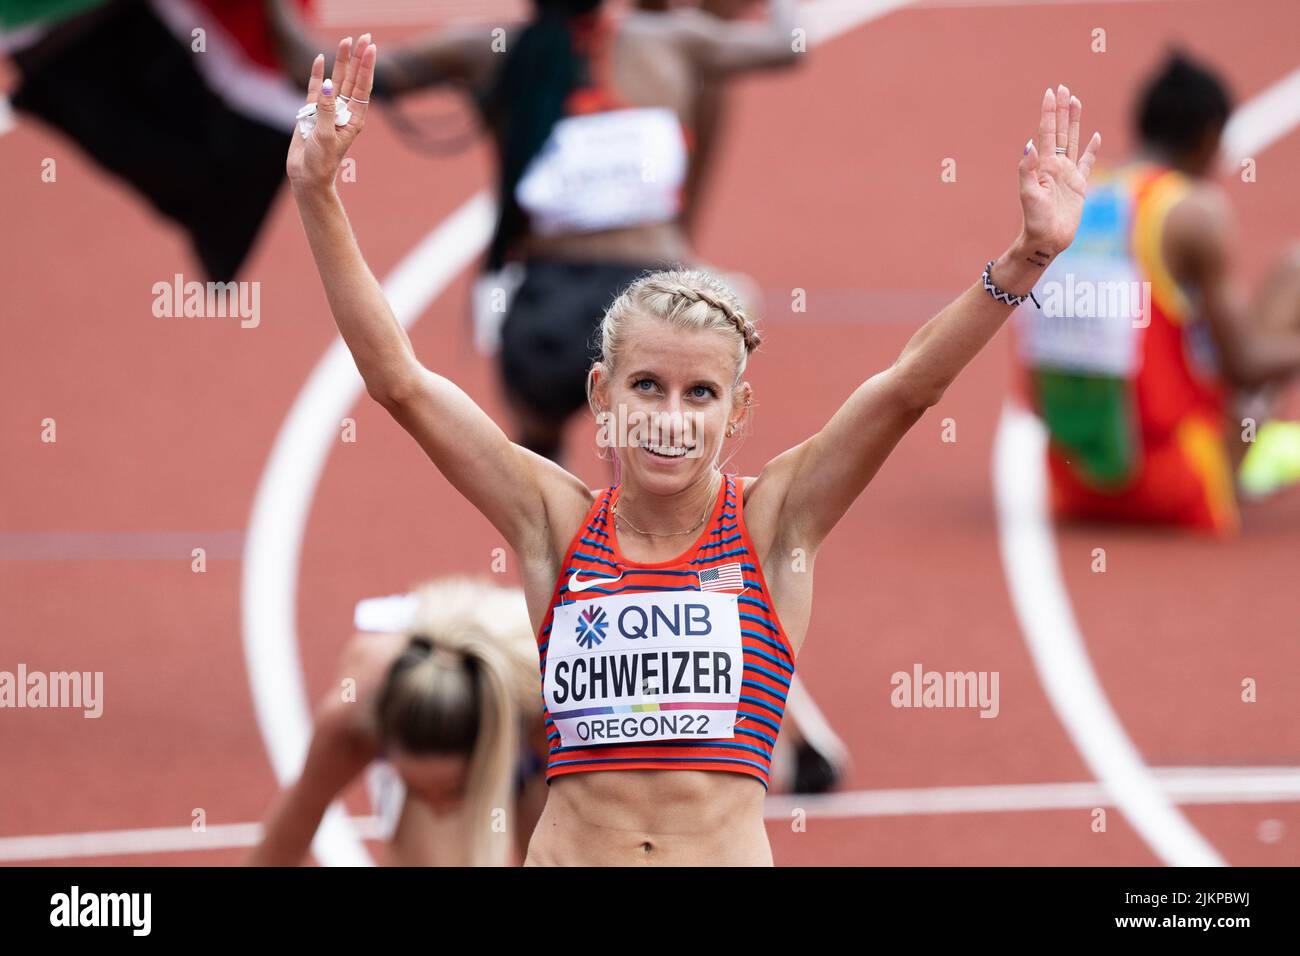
[448,696]
[667,618]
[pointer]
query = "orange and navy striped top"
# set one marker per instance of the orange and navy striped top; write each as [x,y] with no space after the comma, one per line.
[687,697]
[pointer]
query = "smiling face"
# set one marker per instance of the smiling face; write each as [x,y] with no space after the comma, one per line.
[675,389]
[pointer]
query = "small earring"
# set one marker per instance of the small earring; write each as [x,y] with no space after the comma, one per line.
[731,429]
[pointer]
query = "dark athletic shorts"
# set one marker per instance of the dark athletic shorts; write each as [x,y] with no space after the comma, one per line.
[551,334]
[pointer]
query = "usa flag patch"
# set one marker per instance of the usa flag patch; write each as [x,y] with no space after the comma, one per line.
[725,577]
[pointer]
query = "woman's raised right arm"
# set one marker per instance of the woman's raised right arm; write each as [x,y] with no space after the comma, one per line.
[513,488]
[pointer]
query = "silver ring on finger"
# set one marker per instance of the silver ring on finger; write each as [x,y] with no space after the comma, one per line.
[1060,151]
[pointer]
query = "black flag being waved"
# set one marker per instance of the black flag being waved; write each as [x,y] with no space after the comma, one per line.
[118,83]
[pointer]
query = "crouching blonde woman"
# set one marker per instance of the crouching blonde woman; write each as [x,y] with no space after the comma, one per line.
[438,694]
[667,627]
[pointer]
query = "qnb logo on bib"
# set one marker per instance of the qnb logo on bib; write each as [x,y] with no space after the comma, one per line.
[591,627]
[690,619]
[645,667]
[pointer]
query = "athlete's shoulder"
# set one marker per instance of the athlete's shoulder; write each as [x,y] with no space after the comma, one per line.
[689,29]
[1198,233]
[1209,200]
[1200,218]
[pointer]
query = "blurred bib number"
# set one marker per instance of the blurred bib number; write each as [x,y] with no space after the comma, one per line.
[606,171]
[645,667]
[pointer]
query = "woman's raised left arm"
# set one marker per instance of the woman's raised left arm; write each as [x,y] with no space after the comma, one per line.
[816,481]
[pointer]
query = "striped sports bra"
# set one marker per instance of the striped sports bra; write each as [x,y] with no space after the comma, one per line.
[676,665]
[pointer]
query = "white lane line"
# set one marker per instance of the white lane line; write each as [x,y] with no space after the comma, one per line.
[283,503]
[827,19]
[1042,606]
[1183,785]
[62,846]
[288,484]
[1187,785]
[225,836]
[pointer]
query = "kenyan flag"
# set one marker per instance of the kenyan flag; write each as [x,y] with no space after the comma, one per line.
[25,13]
[200,136]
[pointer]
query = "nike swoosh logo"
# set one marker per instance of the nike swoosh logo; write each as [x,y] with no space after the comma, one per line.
[576,585]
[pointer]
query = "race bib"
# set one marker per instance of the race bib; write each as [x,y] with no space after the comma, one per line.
[604,171]
[645,667]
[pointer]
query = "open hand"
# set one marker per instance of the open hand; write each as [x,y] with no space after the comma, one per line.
[315,160]
[1054,177]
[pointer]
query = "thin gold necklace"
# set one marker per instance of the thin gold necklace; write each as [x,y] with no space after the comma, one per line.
[667,534]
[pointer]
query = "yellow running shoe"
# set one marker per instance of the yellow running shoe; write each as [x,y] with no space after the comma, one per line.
[1273,460]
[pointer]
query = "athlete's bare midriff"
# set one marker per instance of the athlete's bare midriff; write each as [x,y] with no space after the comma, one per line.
[652,818]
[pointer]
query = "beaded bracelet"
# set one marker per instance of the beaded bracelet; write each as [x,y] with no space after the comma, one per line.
[1001,294]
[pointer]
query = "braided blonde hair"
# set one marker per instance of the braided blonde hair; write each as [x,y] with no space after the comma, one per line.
[686,298]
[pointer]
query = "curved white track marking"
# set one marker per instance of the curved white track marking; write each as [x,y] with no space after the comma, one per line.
[827,19]
[1043,608]
[288,485]
[1257,125]
[283,503]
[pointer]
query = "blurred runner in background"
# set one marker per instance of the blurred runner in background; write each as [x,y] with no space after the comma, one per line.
[1142,341]
[594,115]
[438,695]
